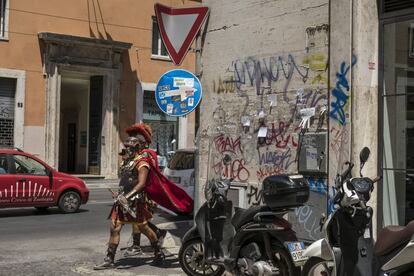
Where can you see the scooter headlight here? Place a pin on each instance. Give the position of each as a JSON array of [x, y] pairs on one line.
[[363, 187]]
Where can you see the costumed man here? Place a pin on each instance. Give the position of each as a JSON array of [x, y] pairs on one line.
[[132, 205], [135, 249]]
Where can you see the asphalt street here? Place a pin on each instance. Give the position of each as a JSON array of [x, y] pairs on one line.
[[36, 242]]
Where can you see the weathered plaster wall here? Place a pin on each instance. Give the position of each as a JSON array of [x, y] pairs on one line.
[[353, 91], [257, 54], [365, 96]]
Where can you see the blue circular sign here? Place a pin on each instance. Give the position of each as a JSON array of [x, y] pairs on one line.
[[178, 92]]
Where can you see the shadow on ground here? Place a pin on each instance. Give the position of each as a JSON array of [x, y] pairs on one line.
[[29, 211], [171, 261]]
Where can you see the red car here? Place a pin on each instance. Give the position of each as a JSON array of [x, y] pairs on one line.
[[27, 181]]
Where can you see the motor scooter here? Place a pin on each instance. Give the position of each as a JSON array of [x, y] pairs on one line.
[[348, 247], [254, 241]]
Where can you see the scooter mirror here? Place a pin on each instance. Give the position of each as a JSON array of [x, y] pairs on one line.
[[364, 155]]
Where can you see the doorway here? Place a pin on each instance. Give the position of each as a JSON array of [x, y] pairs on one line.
[[80, 124], [71, 147]]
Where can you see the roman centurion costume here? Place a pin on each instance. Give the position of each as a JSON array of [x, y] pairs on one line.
[[140, 207], [141, 184]]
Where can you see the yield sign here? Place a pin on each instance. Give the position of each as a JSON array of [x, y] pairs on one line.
[[178, 28]]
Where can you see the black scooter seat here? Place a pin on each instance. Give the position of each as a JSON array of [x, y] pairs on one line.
[[243, 216], [392, 237]]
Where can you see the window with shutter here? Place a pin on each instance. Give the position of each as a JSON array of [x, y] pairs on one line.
[[7, 102], [3, 18], [158, 47]]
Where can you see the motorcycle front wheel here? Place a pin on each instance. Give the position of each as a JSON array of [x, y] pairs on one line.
[[315, 266], [191, 256]]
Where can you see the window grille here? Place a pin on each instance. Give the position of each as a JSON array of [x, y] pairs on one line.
[[7, 99]]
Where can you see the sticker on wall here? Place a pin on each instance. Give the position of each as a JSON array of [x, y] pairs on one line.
[[262, 132], [272, 99], [245, 121], [178, 92]]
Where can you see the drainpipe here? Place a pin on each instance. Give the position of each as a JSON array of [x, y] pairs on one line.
[[198, 72], [351, 83]]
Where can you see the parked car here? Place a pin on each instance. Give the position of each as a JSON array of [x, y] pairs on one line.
[[180, 170], [162, 162], [27, 181]]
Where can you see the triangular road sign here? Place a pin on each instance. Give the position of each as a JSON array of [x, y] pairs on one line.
[[178, 28]]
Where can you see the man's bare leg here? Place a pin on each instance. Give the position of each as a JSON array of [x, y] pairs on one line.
[[115, 231], [135, 248], [152, 236]]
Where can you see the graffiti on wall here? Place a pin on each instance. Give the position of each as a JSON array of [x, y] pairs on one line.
[[254, 195], [279, 86], [275, 162], [225, 85], [258, 72], [339, 105], [228, 158], [338, 115], [306, 219]]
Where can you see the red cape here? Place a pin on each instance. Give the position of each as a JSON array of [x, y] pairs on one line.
[[165, 192]]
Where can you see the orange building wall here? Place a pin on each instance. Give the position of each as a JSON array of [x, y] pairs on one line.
[[121, 20]]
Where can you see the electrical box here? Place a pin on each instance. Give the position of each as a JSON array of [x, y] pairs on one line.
[[313, 153]]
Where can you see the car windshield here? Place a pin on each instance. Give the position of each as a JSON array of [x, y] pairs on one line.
[[182, 161]]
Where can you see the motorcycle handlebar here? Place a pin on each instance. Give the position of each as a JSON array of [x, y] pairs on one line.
[[376, 179]]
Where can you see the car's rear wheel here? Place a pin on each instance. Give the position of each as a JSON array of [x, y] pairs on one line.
[[69, 202]]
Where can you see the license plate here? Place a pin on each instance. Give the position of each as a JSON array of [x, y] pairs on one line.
[[296, 250]]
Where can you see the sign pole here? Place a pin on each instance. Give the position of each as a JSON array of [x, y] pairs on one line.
[[198, 72], [198, 69]]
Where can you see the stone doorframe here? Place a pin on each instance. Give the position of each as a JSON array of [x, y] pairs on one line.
[[110, 116], [92, 57]]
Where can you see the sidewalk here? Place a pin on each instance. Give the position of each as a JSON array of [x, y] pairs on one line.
[[176, 231]]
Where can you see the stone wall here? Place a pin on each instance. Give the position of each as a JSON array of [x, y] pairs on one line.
[[263, 62]]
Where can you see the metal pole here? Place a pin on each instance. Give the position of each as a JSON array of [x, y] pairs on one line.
[[197, 138], [198, 71]]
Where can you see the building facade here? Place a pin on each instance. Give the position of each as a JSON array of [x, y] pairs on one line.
[[75, 74], [303, 86]]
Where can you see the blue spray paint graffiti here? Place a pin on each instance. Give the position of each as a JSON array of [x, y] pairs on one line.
[[319, 186], [307, 217], [338, 112]]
